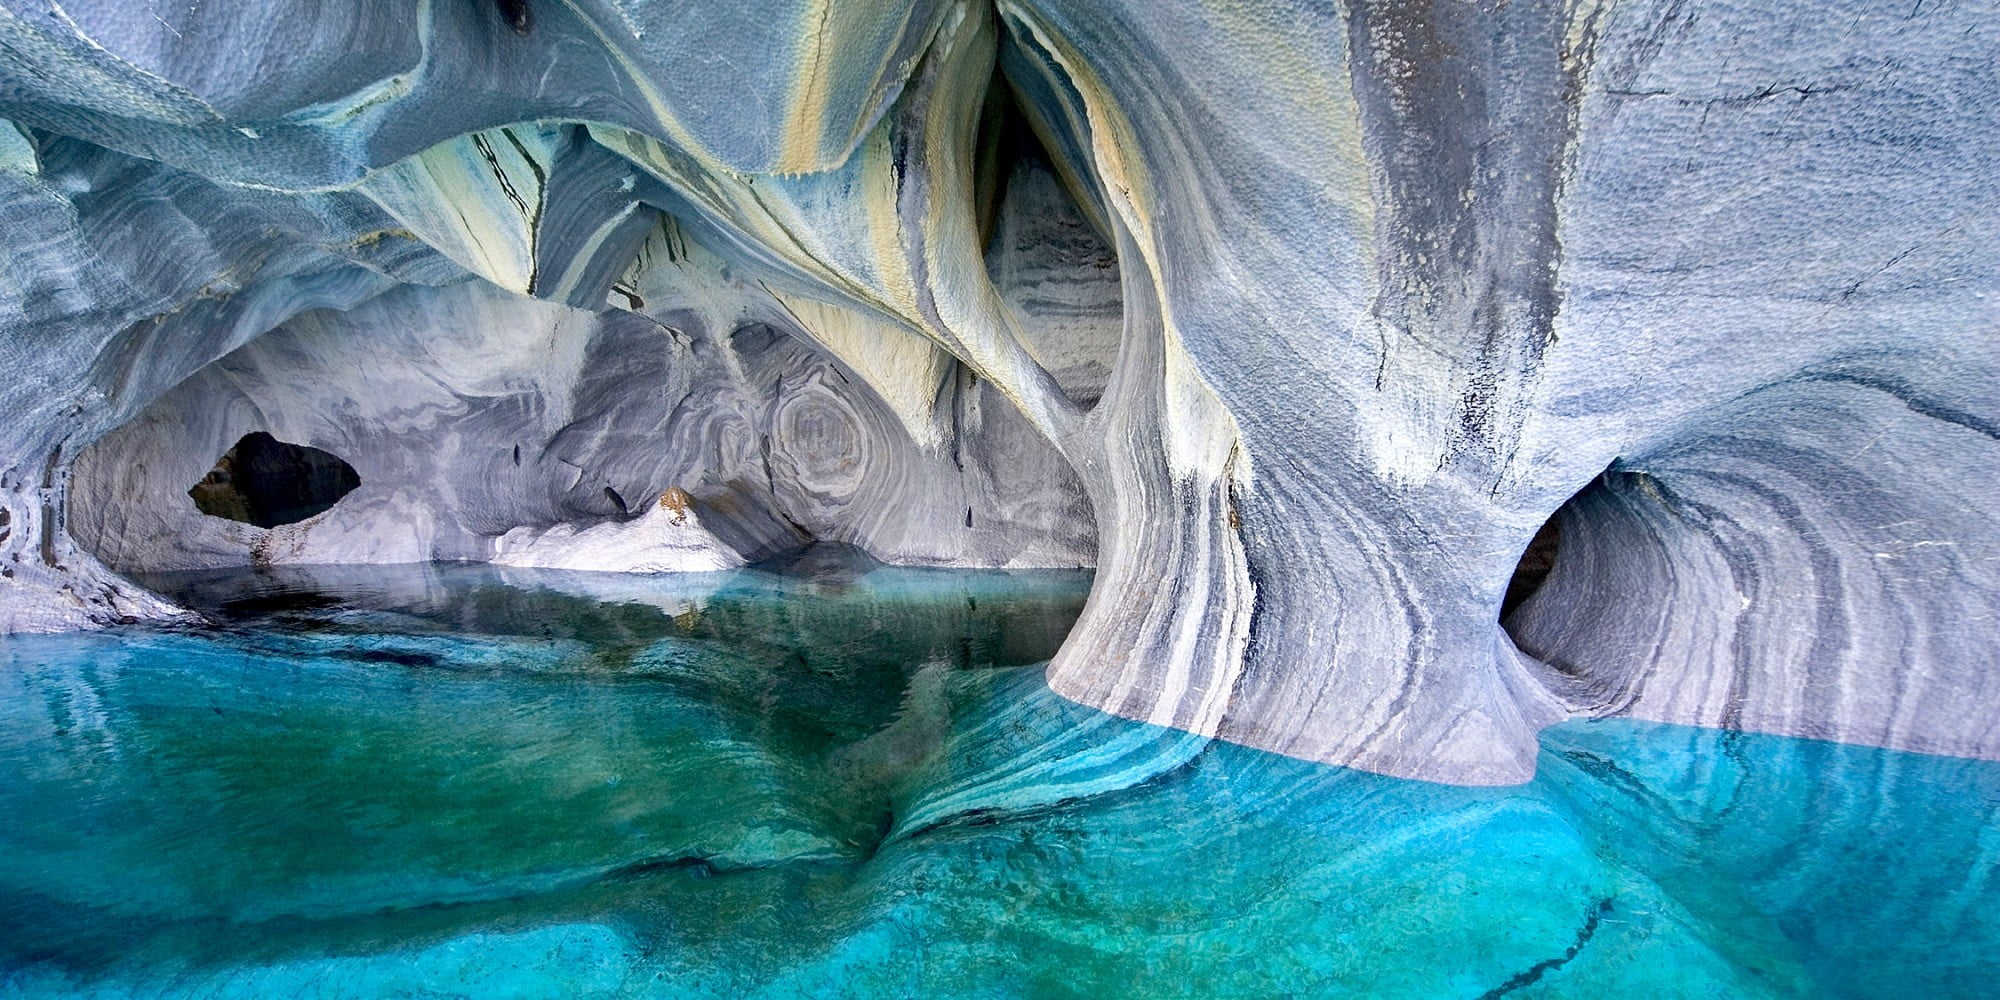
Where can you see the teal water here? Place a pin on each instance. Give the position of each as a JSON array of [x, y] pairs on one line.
[[845, 781]]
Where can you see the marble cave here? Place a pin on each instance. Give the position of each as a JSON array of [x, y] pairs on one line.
[[999, 498]]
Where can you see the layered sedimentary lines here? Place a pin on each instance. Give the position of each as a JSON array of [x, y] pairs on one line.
[[518, 431], [1298, 321], [1741, 578]]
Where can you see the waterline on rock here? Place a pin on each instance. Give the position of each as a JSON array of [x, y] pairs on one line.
[[852, 781]]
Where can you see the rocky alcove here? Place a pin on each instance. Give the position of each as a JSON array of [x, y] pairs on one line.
[[1298, 325], [267, 482]]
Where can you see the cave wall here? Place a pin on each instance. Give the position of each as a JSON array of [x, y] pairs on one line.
[[1497, 249], [1303, 317], [122, 277], [498, 413], [1778, 332]]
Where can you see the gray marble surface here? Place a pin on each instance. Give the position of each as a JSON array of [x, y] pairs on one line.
[[1297, 320]]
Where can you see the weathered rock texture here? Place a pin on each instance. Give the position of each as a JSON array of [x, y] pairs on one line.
[[506, 429], [1298, 319]]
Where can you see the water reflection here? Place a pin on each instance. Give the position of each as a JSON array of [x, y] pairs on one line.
[[847, 780]]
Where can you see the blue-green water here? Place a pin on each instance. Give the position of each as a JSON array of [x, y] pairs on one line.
[[851, 782]]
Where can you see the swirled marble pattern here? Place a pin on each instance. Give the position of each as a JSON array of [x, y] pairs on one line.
[[515, 429], [851, 782], [1394, 282]]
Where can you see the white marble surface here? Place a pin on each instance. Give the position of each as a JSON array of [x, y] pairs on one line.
[[1394, 281]]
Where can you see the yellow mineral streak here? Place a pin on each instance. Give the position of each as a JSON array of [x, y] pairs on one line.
[[677, 502], [476, 198], [816, 224], [811, 92], [905, 369], [809, 140], [663, 114]]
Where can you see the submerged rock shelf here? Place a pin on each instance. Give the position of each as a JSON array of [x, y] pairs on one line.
[[852, 782], [999, 497]]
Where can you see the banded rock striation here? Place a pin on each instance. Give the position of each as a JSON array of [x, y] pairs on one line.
[[1297, 320]]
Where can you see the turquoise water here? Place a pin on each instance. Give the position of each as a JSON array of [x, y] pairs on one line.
[[846, 781]]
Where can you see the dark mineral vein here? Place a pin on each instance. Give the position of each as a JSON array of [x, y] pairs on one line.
[[1534, 973]]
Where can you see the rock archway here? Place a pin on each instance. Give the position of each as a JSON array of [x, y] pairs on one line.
[[1394, 282]]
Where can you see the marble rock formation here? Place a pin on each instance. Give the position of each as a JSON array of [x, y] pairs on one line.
[[1297, 320], [667, 537]]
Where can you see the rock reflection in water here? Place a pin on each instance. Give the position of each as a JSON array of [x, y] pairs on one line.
[[848, 780]]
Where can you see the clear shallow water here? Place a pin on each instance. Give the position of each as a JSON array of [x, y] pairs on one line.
[[851, 782]]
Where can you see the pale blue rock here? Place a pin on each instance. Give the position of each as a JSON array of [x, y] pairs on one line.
[[1296, 320]]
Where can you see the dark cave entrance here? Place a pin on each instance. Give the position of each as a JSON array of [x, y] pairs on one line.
[[268, 482], [1561, 563], [1576, 519], [1047, 243], [1535, 565]]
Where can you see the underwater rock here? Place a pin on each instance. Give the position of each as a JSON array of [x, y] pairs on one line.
[[1298, 321]]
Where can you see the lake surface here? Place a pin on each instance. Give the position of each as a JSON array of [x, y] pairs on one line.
[[849, 781]]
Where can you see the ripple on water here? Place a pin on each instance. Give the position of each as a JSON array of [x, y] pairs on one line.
[[433, 781]]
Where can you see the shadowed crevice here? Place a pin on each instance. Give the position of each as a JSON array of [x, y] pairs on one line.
[[1533, 569], [268, 482]]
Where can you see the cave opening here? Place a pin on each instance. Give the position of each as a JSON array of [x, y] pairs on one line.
[[1573, 529], [1533, 569], [1005, 140], [1049, 252], [268, 482]]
